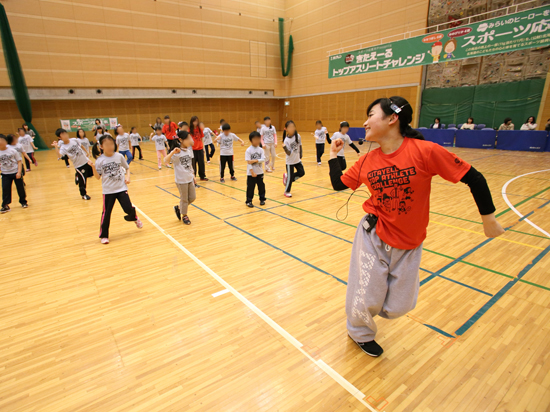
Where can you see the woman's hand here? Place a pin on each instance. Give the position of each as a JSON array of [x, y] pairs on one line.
[[490, 226], [335, 147]]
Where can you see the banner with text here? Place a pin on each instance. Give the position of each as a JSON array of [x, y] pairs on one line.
[[523, 30], [72, 125]]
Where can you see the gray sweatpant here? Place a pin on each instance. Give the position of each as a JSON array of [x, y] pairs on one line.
[[382, 281], [187, 196]]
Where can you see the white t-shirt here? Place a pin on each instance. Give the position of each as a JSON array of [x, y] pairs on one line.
[[8, 161], [436, 126], [112, 171], [470, 126], [345, 138], [528, 126], [74, 151], [320, 135], [18, 148], [183, 165], [26, 142], [159, 141], [207, 139], [134, 139], [259, 130], [226, 144], [293, 145], [97, 136], [255, 153], [84, 143], [268, 134], [123, 142]]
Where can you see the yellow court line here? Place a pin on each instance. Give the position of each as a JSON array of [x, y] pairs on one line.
[[483, 234]]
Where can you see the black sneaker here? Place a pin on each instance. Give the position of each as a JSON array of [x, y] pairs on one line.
[[249, 204], [86, 197], [262, 202], [233, 178], [222, 180], [177, 210], [186, 220], [371, 348], [5, 209]]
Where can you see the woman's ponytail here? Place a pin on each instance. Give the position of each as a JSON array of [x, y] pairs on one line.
[[411, 133], [96, 150]]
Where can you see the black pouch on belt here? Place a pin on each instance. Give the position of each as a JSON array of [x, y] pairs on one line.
[[370, 222]]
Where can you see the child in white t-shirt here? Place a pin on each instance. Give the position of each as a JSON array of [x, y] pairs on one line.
[[255, 157], [160, 144], [226, 139], [135, 138]]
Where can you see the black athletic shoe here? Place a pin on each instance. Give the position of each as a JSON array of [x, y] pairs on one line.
[[249, 204], [222, 180], [186, 220], [177, 210], [204, 179], [371, 348], [262, 202], [233, 178], [86, 197], [5, 209]]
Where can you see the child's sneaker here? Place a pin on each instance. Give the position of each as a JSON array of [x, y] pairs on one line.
[[285, 178], [5, 209], [186, 220], [204, 179], [68, 166], [139, 223], [371, 348], [177, 210], [86, 197], [288, 194], [319, 163], [105, 240], [208, 161], [222, 180], [35, 162], [160, 167], [28, 170], [249, 204], [26, 205], [262, 202], [233, 178]]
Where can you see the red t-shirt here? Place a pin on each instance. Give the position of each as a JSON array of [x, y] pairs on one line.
[[197, 139], [400, 185], [170, 130]]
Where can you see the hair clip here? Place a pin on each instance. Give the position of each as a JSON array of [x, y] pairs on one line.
[[396, 109]]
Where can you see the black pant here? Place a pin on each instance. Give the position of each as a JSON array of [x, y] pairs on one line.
[[229, 161], [108, 203], [65, 157], [31, 156], [210, 149], [134, 152], [251, 183], [293, 174], [7, 179], [198, 160], [320, 151], [81, 176], [342, 161]]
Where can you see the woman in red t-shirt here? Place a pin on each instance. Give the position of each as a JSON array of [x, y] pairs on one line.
[[385, 260], [198, 147]]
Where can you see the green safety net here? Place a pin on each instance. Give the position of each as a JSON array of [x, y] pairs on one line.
[[286, 71], [17, 79], [488, 104]]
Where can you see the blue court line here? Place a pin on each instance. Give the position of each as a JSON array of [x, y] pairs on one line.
[[470, 322], [454, 262], [526, 216], [442, 332], [540, 207], [459, 283]]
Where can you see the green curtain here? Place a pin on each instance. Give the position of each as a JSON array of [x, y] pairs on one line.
[[488, 104], [282, 48], [450, 105], [17, 79]]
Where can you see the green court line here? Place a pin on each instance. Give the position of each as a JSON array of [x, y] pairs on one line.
[[522, 202], [427, 250]]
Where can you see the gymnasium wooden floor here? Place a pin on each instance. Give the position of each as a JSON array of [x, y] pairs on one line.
[[137, 325]]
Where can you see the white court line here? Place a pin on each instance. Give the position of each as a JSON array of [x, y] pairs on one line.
[[348, 386], [512, 206], [221, 292]]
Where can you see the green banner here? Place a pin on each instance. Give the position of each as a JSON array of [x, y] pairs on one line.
[[524, 30], [72, 125]]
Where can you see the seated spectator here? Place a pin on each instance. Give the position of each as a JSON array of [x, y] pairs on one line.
[[547, 127], [507, 125], [530, 124], [436, 124], [469, 124]]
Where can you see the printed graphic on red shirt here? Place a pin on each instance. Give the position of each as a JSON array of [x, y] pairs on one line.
[[392, 188]]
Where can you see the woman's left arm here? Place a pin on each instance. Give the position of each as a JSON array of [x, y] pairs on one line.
[[484, 201]]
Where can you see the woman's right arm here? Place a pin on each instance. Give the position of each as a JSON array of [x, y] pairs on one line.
[[334, 165]]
